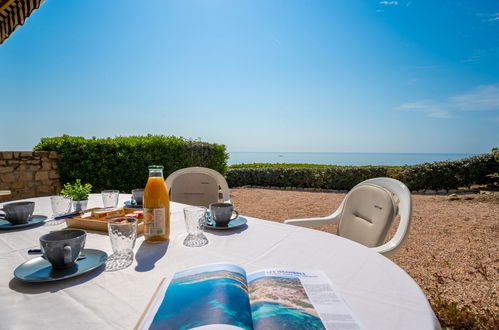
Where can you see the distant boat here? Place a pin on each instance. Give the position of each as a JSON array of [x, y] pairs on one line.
[[280, 155]]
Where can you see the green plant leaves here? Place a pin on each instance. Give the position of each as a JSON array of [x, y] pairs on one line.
[[77, 190]]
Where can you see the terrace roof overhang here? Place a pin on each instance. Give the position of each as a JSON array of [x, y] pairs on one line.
[[13, 13]]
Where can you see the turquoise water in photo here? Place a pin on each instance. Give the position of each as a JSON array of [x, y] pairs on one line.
[[197, 302], [340, 158], [268, 315]]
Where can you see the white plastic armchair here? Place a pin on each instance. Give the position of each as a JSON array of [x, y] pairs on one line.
[[198, 186], [403, 208]]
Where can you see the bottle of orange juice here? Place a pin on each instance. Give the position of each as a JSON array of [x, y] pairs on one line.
[[156, 207]]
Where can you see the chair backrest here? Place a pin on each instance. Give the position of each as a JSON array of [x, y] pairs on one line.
[[404, 211], [198, 186], [367, 212], [367, 215]]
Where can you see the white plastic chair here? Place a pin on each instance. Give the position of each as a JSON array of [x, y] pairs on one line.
[[198, 186], [403, 209]]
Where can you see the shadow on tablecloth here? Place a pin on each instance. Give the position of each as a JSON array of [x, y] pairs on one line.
[[148, 254]]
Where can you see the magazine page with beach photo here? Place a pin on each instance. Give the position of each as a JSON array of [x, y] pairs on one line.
[[223, 296], [285, 299]]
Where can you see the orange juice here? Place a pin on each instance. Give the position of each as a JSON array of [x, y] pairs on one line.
[[156, 207]]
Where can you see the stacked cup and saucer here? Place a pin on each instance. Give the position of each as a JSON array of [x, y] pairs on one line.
[[63, 257], [222, 216], [137, 198], [19, 215]]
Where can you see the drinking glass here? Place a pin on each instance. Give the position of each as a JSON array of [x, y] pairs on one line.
[[110, 198], [60, 205], [195, 218], [122, 233]]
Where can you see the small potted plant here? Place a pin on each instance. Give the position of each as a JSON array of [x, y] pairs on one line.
[[79, 192]]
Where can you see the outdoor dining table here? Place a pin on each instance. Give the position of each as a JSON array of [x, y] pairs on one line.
[[379, 293]]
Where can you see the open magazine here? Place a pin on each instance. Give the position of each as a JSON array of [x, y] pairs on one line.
[[224, 296]]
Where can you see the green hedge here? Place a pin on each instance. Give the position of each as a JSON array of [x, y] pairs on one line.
[[438, 175], [449, 174], [121, 162], [341, 178]]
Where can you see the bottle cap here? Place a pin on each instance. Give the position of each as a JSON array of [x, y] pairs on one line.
[[156, 167]]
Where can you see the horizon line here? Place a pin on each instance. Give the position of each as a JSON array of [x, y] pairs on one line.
[[362, 152]]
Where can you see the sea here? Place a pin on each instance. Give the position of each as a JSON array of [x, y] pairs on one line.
[[201, 302], [341, 158]]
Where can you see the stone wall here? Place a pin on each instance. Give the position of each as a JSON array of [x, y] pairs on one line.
[[28, 174]]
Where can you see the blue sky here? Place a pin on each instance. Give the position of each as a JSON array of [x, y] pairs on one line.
[[342, 76]]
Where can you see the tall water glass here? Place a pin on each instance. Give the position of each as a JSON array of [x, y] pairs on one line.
[[122, 233], [195, 218], [60, 205], [110, 198]]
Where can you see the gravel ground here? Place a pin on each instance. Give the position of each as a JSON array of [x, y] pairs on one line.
[[451, 251]]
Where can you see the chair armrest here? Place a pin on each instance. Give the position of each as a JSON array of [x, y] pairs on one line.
[[387, 249], [390, 247], [333, 218], [310, 221]]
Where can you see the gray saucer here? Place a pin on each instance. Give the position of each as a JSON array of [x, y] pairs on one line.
[[237, 222], [129, 205], [33, 220], [40, 270]]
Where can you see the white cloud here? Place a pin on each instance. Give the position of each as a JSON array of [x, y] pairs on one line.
[[429, 107], [389, 3], [489, 17], [472, 59], [493, 17], [480, 98]]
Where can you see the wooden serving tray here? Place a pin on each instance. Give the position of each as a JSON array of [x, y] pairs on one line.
[[94, 224]]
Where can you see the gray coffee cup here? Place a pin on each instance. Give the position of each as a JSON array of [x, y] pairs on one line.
[[18, 213], [61, 248], [222, 213], [138, 196]]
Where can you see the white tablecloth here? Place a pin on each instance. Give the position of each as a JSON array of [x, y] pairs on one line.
[[380, 294]]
